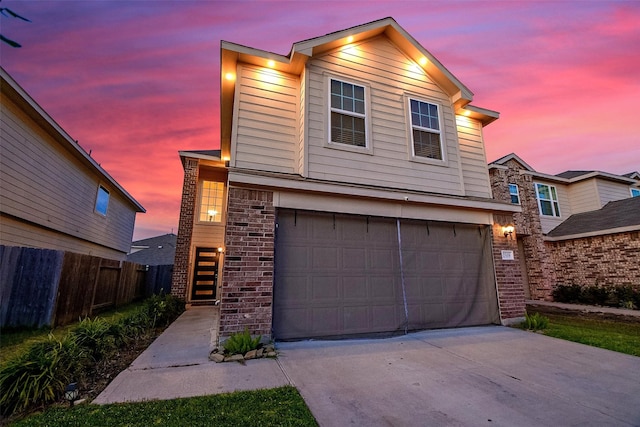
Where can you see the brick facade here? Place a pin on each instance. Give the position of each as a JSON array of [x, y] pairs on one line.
[[179, 283], [541, 271], [509, 282], [246, 297], [609, 260]]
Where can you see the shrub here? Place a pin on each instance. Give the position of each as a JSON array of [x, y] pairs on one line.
[[40, 375], [163, 309], [596, 295], [535, 322], [241, 342], [567, 293], [96, 336]]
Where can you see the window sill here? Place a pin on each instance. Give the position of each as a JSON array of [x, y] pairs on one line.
[[428, 161], [350, 148]]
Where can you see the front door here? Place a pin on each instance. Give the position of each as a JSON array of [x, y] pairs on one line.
[[205, 274]]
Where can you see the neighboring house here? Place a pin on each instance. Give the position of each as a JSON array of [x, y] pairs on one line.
[[53, 195], [350, 195], [158, 250], [576, 227]]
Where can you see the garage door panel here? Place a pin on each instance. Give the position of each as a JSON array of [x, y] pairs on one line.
[[339, 275], [355, 287]]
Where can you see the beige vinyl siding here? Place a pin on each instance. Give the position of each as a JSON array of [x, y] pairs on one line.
[[267, 120], [208, 235], [17, 233], [43, 183], [475, 173], [584, 196], [548, 223], [382, 69], [612, 191]]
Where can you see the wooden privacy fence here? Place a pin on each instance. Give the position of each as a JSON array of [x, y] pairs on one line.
[[47, 287]]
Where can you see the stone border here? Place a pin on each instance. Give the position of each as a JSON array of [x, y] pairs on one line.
[[268, 351]]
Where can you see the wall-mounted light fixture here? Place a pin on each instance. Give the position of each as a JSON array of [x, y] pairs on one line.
[[220, 249], [508, 230]]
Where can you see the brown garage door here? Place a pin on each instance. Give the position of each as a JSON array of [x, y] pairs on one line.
[[343, 275]]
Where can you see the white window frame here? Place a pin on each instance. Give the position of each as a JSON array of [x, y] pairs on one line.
[[100, 199], [368, 148], [439, 132], [635, 192], [516, 194], [219, 214], [555, 204]]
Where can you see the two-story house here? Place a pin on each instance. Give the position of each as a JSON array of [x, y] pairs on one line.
[[576, 227], [350, 195], [53, 194]]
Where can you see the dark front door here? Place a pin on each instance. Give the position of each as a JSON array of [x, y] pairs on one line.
[[205, 274]]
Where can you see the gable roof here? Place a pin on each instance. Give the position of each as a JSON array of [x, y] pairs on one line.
[[17, 94], [159, 250], [616, 216], [512, 156], [294, 62], [632, 175]]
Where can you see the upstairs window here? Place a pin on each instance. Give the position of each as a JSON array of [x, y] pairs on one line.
[[102, 201], [348, 114], [635, 192], [514, 193], [425, 130], [211, 199], [547, 200]]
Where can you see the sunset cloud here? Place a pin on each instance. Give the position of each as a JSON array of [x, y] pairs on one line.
[[135, 82]]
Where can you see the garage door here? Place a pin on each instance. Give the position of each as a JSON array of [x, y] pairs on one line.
[[344, 275]]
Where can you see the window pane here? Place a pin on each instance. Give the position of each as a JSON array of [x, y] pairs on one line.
[[513, 192], [102, 201], [211, 199], [359, 107], [543, 191], [347, 90], [426, 144], [359, 93], [336, 101], [424, 115], [348, 130], [545, 207], [336, 87]]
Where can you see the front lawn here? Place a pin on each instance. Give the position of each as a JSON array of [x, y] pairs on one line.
[[281, 406], [616, 335]]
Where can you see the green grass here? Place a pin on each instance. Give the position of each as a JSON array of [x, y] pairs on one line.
[[623, 337], [281, 406], [14, 342]]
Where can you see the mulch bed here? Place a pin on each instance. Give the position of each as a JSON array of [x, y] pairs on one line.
[[617, 317]]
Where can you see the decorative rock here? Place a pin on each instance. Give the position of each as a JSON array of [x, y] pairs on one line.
[[259, 352], [216, 357], [269, 348], [234, 358], [250, 354], [271, 354]]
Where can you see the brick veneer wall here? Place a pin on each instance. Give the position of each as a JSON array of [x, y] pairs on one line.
[[246, 296], [610, 260], [541, 271], [509, 282], [180, 277]]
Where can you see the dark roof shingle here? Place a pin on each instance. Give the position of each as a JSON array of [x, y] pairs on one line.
[[617, 214]]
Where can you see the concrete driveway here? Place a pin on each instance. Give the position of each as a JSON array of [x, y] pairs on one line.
[[493, 376]]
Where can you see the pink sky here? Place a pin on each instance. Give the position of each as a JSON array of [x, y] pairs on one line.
[[137, 81]]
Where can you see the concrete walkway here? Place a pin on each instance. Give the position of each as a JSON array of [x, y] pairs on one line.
[[177, 364], [489, 375]]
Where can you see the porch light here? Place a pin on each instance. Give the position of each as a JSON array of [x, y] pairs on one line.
[[508, 230], [423, 61], [71, 393], [229, 76], [220, 249], [350, 39], [271, 63]]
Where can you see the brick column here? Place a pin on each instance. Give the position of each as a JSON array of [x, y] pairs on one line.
[[179, 282], [508, 273], [246, 298], [538, 257]]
